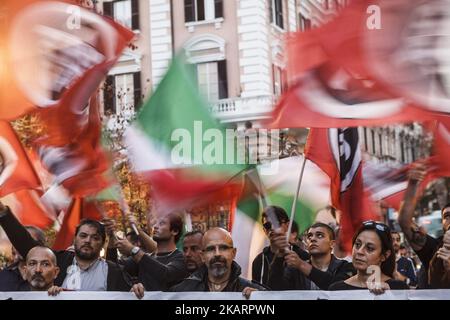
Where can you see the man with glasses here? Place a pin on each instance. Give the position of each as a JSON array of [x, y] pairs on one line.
[[261, 264], [289, 272], [220, 273]]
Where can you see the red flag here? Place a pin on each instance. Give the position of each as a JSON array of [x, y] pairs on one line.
[[69, 47], [80, 167], [398, 47], [441, 148], [16, 170], [337, 153], [388, 184], [78, 210], [330, 97], [28, 208]]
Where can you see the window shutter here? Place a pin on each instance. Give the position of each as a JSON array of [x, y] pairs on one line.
[[193, 70], [274, 80], [279, 13], [218, 9], [271, 13], [223, 81], [108, 9], [137, 90], [189, 11], [135, 15], [109, 95], [284, 81], [200, 10]]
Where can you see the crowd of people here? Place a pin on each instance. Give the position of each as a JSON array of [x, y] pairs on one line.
[[151, 261]]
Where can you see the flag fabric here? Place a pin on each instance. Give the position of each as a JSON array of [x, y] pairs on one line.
[[178, 147], [29, 209], [78, 210], [16, 170], [80, 167], [387, 183], [275, 183], [329, 98], [337, 152], [352, 72], [71, 48], [441, 148]]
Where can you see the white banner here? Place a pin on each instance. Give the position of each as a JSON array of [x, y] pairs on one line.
[[257, 295]]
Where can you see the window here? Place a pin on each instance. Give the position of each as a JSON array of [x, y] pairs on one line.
[[276, 12], [279, 80], [125, 12], [212, 80], [305, 24], [202, 10], [122, 92]]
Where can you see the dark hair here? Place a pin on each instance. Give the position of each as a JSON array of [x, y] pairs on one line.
[[93, 223], [41, 238], [176, 224], [325, 226], [193, 233], [294, 227], [384, 234], [279, 212], [445, 207]]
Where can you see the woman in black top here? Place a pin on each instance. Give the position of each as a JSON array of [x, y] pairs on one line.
[[374, 260]]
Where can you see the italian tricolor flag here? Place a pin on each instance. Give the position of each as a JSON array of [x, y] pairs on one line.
[[275, 184], [178, 147]]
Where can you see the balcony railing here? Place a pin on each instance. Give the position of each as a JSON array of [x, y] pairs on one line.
[[242, 109]]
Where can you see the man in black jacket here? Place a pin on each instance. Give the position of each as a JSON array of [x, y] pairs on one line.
[[80, 270], [220, 273], [163, 268], [289, 272], [12, 278], [263, 261]]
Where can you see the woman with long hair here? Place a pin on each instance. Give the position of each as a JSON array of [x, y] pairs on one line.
[[374, 260]]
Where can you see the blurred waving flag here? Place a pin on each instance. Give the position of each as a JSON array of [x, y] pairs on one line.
[[69, 47], [377, 62], [16, 170], [178, 147], [29, 209]]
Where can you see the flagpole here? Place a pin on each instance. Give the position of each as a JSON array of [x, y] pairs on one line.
[[125, 209], [294, 204]]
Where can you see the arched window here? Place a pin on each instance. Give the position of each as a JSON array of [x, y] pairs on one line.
[[207, 53]]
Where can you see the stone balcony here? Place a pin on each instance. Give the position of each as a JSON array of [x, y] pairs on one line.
[[243, 109]]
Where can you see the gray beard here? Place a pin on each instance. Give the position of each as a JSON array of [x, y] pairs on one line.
[[218, 272]]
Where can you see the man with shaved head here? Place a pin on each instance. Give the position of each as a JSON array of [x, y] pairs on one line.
[[41, 268], [220, 273]]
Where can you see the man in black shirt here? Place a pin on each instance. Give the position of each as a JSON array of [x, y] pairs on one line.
[[12, 278], [423, 244], [289, 272], [263, 261], [163, 268]]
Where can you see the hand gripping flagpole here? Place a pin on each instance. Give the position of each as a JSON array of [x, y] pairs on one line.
[[294, 204], [126, 210]]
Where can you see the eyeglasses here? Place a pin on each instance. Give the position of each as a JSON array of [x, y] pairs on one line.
[[220, 247], [268, 225], [378, 225]]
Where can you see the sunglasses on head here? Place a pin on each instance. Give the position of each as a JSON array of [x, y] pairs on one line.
[[378, 225]]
